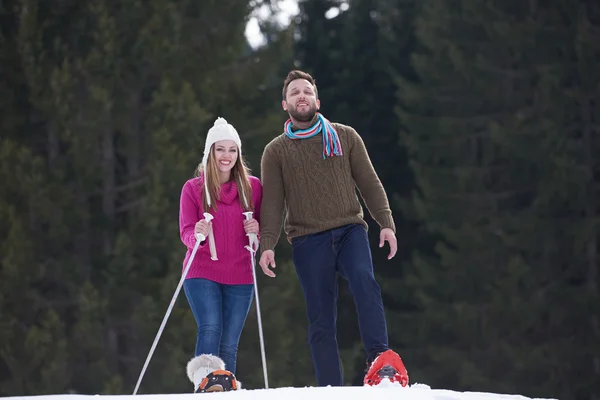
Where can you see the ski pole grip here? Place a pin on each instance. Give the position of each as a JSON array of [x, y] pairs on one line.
[[200, 237], [211, 238], [252, 236]]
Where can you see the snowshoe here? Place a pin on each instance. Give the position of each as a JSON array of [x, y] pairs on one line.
[[208, 374], [217, 381], [388, 365]]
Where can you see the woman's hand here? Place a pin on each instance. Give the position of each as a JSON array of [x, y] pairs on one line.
[[251, 226], [202, 227]]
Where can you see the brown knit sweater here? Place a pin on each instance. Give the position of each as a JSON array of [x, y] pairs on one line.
[[318, 194]]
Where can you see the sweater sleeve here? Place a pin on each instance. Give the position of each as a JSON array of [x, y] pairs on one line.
[[271, 210], [189, 211], [368, 183], [257, 194], [257, 201]]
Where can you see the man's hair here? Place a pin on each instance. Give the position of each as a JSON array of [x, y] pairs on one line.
[[297, 74]]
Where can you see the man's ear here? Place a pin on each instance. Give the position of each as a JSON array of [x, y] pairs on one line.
[[284, 104], [318, 104]]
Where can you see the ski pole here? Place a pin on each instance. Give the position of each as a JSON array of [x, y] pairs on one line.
[[254, 241], [199, 238]]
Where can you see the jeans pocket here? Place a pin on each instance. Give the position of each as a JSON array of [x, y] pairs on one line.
[[299, 240]]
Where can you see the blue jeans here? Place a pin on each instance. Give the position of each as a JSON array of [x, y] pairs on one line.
[[220, 312], [317, 258]]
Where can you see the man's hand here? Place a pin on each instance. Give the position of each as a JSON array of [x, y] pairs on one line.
[[386, 235], [266, 258]]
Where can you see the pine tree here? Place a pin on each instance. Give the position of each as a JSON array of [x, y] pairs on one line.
[[110, 126], [493, 138], [319, 48]]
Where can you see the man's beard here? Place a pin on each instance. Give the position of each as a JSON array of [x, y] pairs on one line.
[[303, 116]]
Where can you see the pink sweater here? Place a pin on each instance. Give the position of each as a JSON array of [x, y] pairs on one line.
[[234, 264]]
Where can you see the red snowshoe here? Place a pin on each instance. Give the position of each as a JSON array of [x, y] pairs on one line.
[[217, 381], [388, 365]]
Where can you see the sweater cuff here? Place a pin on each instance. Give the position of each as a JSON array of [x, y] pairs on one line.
[[386, 221], [267, 243], [201, 245]]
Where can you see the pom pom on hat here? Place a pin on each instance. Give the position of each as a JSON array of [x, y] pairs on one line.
[[220, 121]]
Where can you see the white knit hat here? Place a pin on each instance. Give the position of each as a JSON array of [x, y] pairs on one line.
[[221, 130]]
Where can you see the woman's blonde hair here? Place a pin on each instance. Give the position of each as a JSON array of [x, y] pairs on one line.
[[240, 174]]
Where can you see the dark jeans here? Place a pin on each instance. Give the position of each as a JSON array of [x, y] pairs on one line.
[[220, 312], [317, 257]]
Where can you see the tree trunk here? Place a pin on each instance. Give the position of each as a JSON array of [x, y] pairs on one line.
[[590, 131], [108, 186], [133, 135]]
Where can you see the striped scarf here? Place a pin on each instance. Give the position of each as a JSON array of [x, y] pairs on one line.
[[331, 141]]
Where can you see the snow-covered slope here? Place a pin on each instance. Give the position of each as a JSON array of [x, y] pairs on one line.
[[415, 392]]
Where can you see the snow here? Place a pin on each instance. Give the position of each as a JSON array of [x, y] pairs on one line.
[[382, 392]]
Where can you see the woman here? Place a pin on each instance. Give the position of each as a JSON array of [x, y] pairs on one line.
[[219, 289]]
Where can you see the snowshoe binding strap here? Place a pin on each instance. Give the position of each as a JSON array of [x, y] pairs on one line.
[[218, 381]]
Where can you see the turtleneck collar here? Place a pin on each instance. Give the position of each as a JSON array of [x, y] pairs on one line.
[[229, 191]]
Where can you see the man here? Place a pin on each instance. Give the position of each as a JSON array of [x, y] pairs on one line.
[[312, 171]]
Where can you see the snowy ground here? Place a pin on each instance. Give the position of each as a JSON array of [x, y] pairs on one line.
[[416, 392]]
